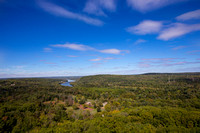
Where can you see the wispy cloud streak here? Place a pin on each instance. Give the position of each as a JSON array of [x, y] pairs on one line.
[[112, 51], [102, 59], [152, 62], [139, 41], [146, 27], [148, 5], [179, 47], [73, 46], [60, 11], [47, 50], [177, 30], [81, 47], [165, 32], [189, 15], [97, 7], [73, 56]]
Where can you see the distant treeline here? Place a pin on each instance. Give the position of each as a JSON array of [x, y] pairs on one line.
[[189, 73]]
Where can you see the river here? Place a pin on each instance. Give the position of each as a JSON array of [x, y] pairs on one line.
[[68, 83]]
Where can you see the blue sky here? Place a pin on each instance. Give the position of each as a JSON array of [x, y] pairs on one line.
[[86, 37]]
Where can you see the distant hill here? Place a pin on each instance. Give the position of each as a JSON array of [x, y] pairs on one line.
[[148, 79], [186, 73]]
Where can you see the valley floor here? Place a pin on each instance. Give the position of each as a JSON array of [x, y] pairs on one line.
[[102, 103]]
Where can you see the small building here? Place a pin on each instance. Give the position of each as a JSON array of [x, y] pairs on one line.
[[88, 103], [12, 85], [104, 104]]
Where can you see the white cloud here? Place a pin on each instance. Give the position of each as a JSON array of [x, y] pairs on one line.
[[60, 11], [148, 5], [79, 47], [50, 63], [47, 50], [146, 27], [109, 58], [166, 32], [189, 15], [108, 4], [72, 56], [177, 29], [139, 41], [179, 47], [111, 51], [103, 59], [97, 59], [97, 6]]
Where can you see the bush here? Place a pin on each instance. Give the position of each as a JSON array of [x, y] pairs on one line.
[[75, 107]]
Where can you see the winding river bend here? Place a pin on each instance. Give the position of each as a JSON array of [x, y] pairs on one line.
[[68, 83]]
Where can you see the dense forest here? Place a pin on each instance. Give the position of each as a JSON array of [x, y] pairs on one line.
[[102, 103]]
